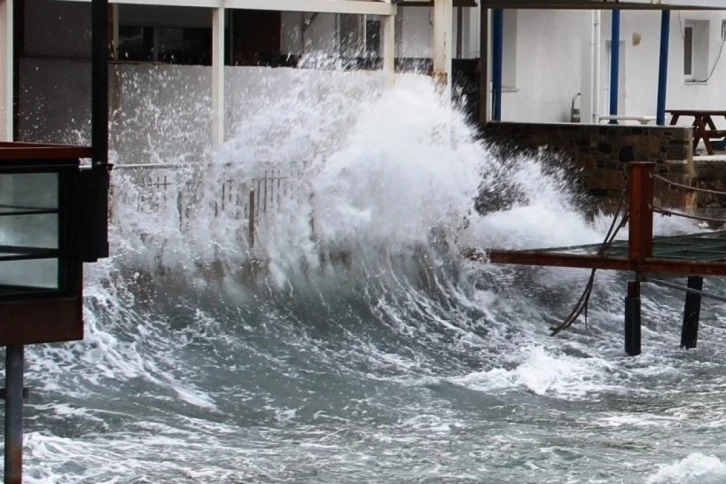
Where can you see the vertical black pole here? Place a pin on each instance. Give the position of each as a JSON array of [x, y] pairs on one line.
[[497, 62], [632, 319], [14, 414], [614, 64], [483, 63], [665, 28], [99, 129], [691, 313]]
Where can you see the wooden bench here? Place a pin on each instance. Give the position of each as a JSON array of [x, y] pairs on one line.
[[703, 126]]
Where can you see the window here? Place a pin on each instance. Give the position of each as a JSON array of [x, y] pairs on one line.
[[696, 50], [373, 38], [175, 35], [688, 52], [359, 36], [174, 45], [509, 47], [351, 31]]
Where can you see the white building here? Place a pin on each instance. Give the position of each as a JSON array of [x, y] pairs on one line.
[[549, 55]]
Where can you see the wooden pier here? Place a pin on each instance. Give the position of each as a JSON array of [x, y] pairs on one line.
[[693, 255]]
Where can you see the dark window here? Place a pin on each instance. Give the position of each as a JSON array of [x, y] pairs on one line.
[[173, 45], [373, 38], [688, 51]]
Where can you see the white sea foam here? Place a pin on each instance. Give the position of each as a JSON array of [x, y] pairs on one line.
[[697, 468]]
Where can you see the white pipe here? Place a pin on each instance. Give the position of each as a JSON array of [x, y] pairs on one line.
[[217, 76], [596, 27], [389, 49], [6, 70], [443, 20]]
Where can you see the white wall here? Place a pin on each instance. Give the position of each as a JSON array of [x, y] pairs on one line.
[[548, 65], [642, 64], [553, 64]]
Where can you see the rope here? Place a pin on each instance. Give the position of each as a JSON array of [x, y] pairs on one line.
[[668, 213], [686, 289], [673, 184], [584, 301]]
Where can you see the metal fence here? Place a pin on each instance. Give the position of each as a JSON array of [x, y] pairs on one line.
[[254, 203]]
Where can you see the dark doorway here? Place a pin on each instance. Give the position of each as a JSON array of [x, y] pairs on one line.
[[256, 37]]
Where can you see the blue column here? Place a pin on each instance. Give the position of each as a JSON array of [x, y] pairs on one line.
[[665, 28], [614, 64], [497, 59]]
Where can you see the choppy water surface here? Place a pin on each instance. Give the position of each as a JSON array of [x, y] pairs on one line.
[[405, 364]]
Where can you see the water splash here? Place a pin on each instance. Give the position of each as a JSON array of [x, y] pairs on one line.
[[361, 345]]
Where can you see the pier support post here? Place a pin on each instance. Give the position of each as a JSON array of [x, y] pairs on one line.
[[632, 319], [691, 313], [640, 246], [14, 414]]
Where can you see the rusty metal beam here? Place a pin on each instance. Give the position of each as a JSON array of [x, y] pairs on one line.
[[553, 259], [586, 261], [640, 238]]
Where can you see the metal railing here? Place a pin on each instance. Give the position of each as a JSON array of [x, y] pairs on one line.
[[254, 203]]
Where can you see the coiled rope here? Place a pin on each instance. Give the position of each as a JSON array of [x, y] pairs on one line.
[[584, 301]]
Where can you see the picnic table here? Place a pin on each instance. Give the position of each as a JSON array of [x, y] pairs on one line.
[[703, 126]]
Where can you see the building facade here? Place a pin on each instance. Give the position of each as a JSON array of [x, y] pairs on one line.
[[550, 56]]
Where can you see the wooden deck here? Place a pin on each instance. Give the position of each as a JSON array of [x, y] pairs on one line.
[[695, 255], [692, 254]]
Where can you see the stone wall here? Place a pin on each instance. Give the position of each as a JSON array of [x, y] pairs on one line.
[[710, 174], [601, 153]]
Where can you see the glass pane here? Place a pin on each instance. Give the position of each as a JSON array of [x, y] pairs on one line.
[[135, 43], [185, 45], [39, 274], [28, 191], [28, 231], [28, 210], [688, 51]]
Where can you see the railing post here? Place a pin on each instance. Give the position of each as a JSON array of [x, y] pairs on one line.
[[640, 238], [252, 219], [14, 414]]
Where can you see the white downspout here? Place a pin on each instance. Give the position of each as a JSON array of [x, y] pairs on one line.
[[596, 41]]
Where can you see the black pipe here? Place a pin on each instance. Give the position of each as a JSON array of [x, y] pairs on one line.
[[99, 81], [632, 319], [691, 313], [98, 180]]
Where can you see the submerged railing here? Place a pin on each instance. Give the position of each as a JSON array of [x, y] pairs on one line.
[[151, 188]]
